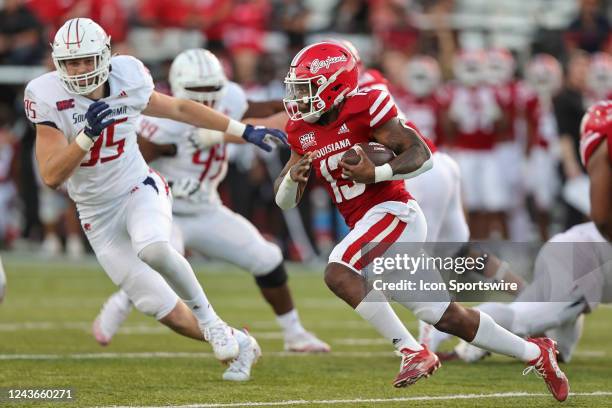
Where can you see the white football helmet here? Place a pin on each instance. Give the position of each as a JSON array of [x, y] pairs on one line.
[[422, 75], [469, 67], [500, 66], [198, 68], [544, 75], [599, 77], [82, 38]]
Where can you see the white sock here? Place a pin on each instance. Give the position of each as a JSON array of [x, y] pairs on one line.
[[431, 336], [177, 271], [491, 336], [501, 313], [290, 323], [382, 317]]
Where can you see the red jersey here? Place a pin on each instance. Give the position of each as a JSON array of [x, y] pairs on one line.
[[360, 115], [373, 79], [508, 97], [475, 125], [541, 117], [425, 113]]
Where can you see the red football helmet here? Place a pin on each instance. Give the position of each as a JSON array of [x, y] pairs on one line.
[[500, 66], [599, 77], [320, 76], [469, 67], [544, 75], [422, 75], [596, 122]]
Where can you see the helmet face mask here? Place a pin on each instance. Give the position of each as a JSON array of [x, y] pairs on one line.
[[81, 40], [544, 75], [197, 75], [320, 77]]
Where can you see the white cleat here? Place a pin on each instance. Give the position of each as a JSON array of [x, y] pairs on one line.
[[222, 340], [112, 315], [306, 342], [240, 368], [468, 353]]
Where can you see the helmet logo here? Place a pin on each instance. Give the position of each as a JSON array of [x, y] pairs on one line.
[[317, 64]]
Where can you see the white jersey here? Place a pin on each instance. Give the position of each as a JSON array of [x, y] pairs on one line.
[[209, 166], [114, 165]]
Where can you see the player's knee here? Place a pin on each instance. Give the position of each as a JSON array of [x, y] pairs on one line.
[[265, 259], [156, 255], [273, 279], [156, 306]]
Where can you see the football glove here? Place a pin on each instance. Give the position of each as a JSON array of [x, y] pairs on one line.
[[95, 115], [265, 138], [203, 139]]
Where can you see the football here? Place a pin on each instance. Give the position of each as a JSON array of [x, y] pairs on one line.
[[378, 153]]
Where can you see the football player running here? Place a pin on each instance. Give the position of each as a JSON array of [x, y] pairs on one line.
[[322, 102], [195, 165], [85, 115]]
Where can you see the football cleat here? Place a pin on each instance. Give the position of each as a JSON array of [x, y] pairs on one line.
[[112, 315], [546, 366], [240, 368], [468, 353], [222, 340], [306, 342], [416, 365]]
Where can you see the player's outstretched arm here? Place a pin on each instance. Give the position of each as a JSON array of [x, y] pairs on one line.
[[206, 138], [196, 114], [600, 174], [291, 182]]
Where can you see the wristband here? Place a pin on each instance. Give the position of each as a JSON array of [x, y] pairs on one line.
[[84, 141], [286, 196], [383, 173], [235, 128]]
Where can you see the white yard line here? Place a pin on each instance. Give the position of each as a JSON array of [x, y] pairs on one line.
[[372, 400]]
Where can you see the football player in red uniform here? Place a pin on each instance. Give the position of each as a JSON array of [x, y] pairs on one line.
[[596, 156], [328, 115]]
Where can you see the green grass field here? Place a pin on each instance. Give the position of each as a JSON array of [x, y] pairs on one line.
[[45, 342]]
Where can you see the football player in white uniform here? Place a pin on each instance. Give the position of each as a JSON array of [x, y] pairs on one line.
[[85, 115], [195, 161]]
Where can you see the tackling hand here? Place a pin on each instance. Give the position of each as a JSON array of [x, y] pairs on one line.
[[265, 138]]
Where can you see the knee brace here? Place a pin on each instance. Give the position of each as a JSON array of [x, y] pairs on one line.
[[274, 279]]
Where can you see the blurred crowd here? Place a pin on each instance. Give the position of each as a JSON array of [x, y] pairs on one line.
[[499, 85]]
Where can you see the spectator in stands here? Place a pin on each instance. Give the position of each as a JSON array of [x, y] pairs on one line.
[[293, 18], [53, 13], [351, 16], [20, 35], [569, 107], [391, 23], [590, 31], [207, 16], [244, 36]]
